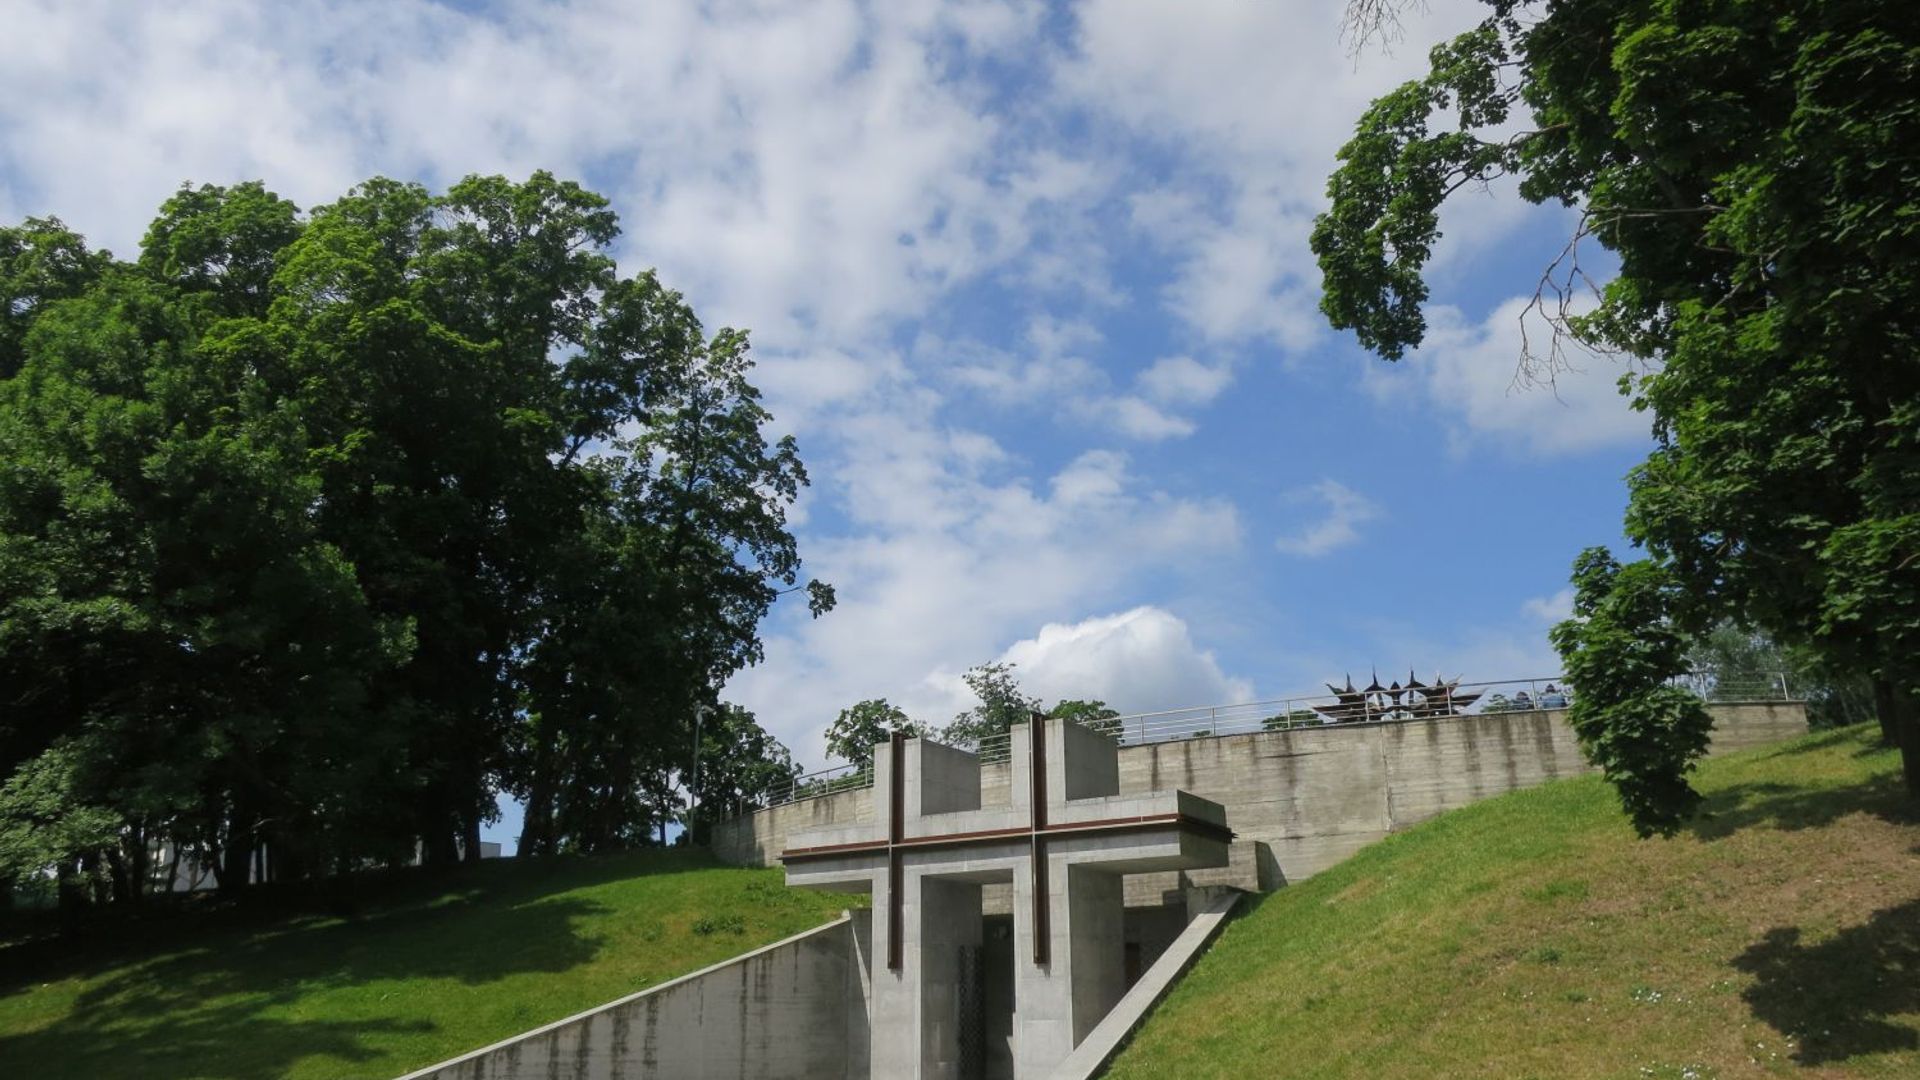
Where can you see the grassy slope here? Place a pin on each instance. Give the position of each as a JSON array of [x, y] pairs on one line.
[[1533, 935], [435, 968]]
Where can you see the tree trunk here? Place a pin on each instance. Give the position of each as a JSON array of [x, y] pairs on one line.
[[130, 865], [1906, 722], [536, 827], [235, 868], [71, 889], [536, 823], [470, 836], [120, 875], [1883, 710], [96, 881]]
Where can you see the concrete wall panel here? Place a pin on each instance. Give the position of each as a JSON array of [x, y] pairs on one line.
[[785, 1011], [1311, 796]]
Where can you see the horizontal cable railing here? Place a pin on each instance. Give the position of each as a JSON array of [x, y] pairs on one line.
[[1372, 705]]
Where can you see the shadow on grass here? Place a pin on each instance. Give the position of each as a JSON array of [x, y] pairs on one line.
[[1838, 998], [220, 994], [229, 1040], [1788, 807], [1830, 738]]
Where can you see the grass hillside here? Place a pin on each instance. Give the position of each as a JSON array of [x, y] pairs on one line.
[[430, 969], [1534, 935]]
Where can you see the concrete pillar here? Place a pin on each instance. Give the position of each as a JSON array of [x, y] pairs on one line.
[[1056, 1005], [1096, 946], [938, 916], [950, 917]]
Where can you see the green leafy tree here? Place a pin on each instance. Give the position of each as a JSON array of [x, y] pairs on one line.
[[1292, 718], [1751, 168], [172, 624], [41, 261], [1621, 649], [1002, 705], [319, 531], [866, 724], [1089, 714], [740, 765]]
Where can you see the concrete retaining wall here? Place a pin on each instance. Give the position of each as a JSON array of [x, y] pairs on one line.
[[1304, 799], [793, 1009]]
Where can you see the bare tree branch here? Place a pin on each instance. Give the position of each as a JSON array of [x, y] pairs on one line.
[[1375, 22]]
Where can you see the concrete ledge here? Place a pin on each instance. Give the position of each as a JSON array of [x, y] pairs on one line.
[[1104, 1040], [776, 988]]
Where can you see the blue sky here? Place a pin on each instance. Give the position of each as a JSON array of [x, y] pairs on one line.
[[1029, 282]]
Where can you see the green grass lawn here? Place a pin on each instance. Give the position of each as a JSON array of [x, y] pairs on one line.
[[429, 969], [1534, 936]]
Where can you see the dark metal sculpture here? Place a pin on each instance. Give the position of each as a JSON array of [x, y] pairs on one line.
[[1414, 701]]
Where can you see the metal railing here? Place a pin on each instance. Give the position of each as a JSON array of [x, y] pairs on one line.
[[828, 781], [1391, 704]]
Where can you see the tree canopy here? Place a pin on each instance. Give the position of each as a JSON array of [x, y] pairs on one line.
[[1002, 704], [320, 530], [1753, 168], [866, 724]]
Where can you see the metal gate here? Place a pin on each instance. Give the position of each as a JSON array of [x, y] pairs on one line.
[[971, 991]]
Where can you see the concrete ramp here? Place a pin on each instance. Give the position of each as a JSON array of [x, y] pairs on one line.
[[1104, 1040]]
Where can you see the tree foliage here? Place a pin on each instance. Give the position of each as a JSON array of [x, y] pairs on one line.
[[1002, 704], [1753, 168], [318, 531], [1093, 714], [866, 724], [1621, 649], [740, 765]]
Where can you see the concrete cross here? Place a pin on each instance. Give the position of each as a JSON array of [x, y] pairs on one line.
[[1062, 835]]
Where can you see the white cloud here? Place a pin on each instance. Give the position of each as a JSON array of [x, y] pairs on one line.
[[1470, 372], [1137, 661], [1254, 100], [944, 565], [1182, 380], [1136, 418], [806, 169], [1346, 511], [1551, 609], [1059, 381]]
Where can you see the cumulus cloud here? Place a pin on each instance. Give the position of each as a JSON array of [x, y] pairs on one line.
[[1057, 378], [1469, 371], [1136, 661], [1182, 380], [942, 567], [1256, 99], [806, 190], [1346, 511]]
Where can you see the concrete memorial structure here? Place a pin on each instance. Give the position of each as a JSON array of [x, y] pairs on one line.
[[942, 1002], [1017, 896]]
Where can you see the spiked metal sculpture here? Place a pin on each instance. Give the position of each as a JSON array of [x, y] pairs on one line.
[[1413, 701]]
